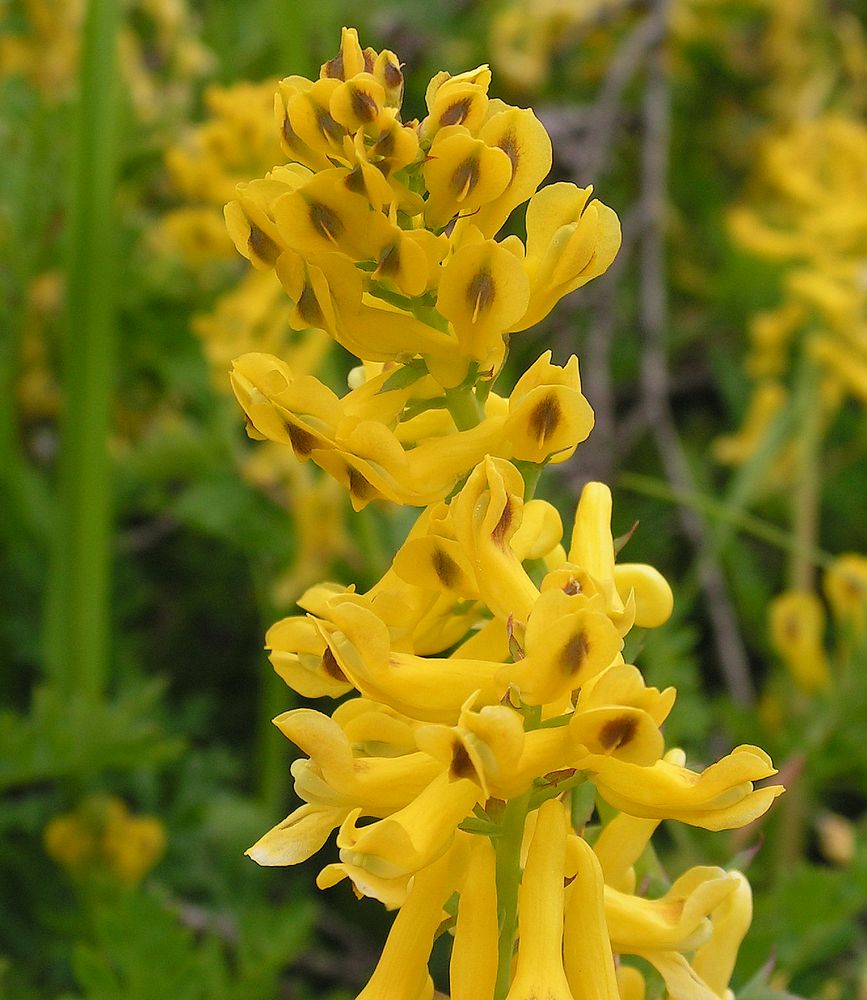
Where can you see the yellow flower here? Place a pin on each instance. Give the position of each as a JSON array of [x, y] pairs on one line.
[[845, 586], [797, 633], [482, 291], [569, 242], [401, 973], [462, 174], [410, 839], [430, 689], [634, 592], [714, 961], [548, 414], [721, 797], [539, 970], [586, 942], [102, 835], [567, 641], [473, 967]]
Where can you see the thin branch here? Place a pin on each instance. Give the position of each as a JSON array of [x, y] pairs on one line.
[[656, 113]]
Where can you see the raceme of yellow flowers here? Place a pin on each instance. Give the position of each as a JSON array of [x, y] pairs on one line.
[[494, 769], [102, 837], [812, 218]]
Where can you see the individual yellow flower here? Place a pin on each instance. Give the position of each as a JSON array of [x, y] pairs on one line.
[[797, 633], [539, 970], [587, 950], [473, 966], [845, 585], [570, 240]]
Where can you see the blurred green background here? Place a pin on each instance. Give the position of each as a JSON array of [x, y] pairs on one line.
[[147, 544]]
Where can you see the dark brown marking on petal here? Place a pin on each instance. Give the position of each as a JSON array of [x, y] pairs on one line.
[[309, 309], [545, 417], [571, 587], [455, 113], [333, 69], [498, 535], [358, 486], [384, 145], [509, 145], [792, 627], [331, 667], [326, 222], [289, 135], [329, 128], [369, 59], [465, 177], [354, 180], [616, 733], [303, 442], [481, 292], [364, 106], [461, 765], [261, 245], [446, 569], [393, 75], [389, 260], [574, 653]]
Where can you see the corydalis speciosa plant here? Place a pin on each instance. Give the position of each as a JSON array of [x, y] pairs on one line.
[[489, 705]]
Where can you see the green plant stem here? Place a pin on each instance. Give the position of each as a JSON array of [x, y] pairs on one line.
[[508, 846], [805, 514], [747, 523], [78, 599], [463, 406]]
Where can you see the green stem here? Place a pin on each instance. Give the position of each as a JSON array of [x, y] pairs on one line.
[[530, 471], [508, 846], [805, 514], [78, 598], [463, 406]]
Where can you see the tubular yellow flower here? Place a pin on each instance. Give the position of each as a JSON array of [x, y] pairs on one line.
[[676, 922], [408, 841], [714, 961], [401, 973], [569, 242], [845, 586], [539, 971], [619, 845], [586, 943], [719, 798], [473, 968], [485, 514], [797, 633], [522, 137], [566, 642]]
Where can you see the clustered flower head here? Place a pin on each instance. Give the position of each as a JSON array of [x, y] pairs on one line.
[[101, 836], [811, 218], [487, 719]]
